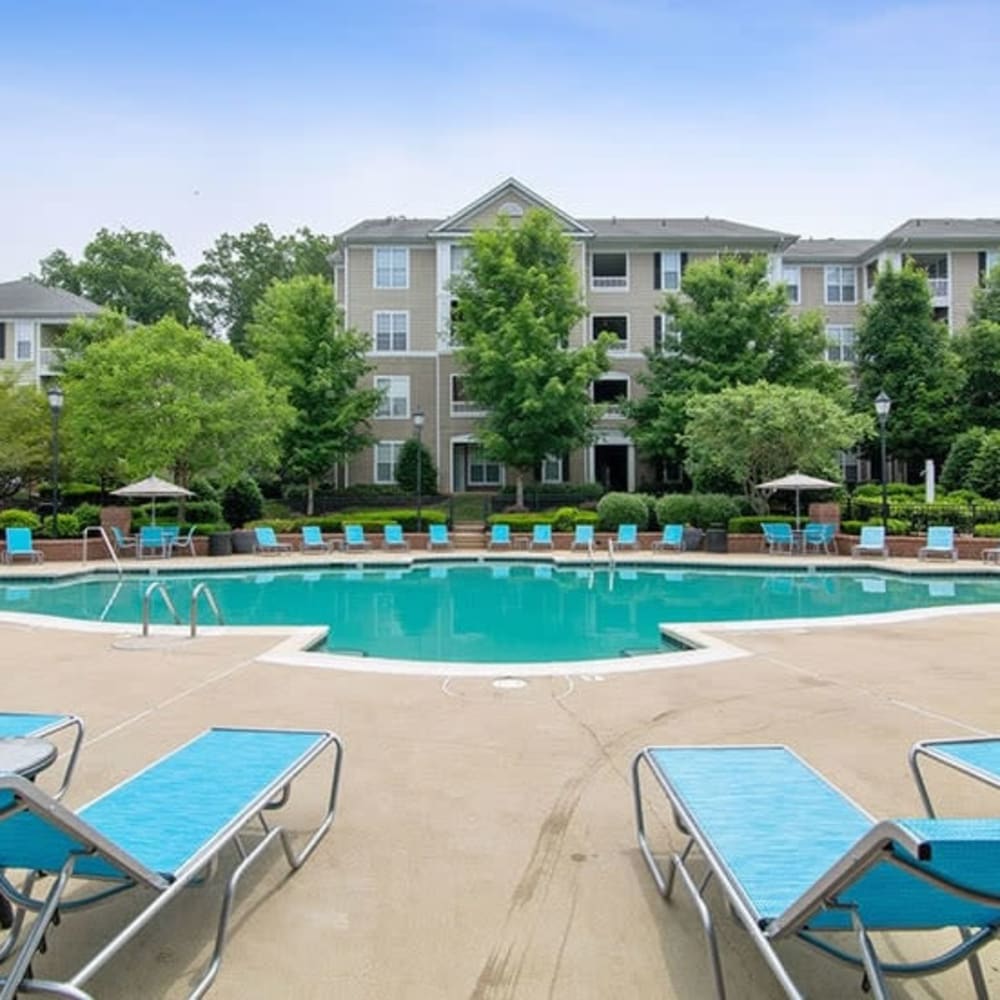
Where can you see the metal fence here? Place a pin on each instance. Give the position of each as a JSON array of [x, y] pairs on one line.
[[962, 516]]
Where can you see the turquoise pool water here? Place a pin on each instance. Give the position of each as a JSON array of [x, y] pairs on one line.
[[499, 612]]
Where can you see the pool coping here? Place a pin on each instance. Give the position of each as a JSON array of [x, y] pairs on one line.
[[293, 647]]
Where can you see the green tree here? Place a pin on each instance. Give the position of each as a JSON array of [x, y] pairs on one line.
[[406, 468], [903, 350], [518, 301], [132, 272], [955, 474], [167, 398], [299, 342], [237, 270], [25, 435], [984, 474], [730, 327], [978, 347], [84, 331], [753, 433]]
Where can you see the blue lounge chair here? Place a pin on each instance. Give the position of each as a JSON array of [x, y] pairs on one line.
[[38, 726], [872, 542], [151, 540], [672, 538], [499, 536], [160, 830], [179, 541], [778, 536], [940, 542], [977, 758], [797, 859], [583, 537], [541, 536], [437, 537], [19, 544], [265, 541], [393, 537], [818, 536], [313, 540], [354, 537], [627, 537], [122, 542]]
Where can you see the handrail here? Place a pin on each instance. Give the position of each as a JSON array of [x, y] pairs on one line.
[[611, 552], [147, 599], [99, 530], [590, 552], [203, 588]]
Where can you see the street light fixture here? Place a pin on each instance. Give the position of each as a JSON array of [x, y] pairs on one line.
[[883, 404], [418, 426], [55, 395]]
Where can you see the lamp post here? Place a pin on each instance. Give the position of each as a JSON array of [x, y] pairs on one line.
[[883, 404], [55, 395], [418, 426]]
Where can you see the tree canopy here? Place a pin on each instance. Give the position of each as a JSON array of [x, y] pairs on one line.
[[752, 433], [978, 347], [237, 270], [729, 327], [902, 349], [25, 436], [298, 341], [130, 271], [518, 301], [167, 398]]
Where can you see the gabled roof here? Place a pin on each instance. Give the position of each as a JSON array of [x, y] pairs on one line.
[[460, 221], [672, 231], [33, 300], [827, 251], [393, 228], [945, 230]]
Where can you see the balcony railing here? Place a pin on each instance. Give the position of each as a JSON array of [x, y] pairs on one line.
[[49, 360], [605, 282], [462, 408], [939, 288]]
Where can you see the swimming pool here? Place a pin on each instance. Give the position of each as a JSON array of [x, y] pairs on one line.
[[500, 612]]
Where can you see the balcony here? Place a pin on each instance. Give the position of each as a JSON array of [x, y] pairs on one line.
[[940, 290], [604, 283], [463, 408], [49, 360]]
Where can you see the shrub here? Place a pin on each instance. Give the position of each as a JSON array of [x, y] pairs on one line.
[[371, 519], [702, 510], [893, 526], [676, 508], [955, 473], [984, 474], [751, 525], [987, 530], [204, 489], [521, 522], [168, 512], [87, 515], [567, 518], [69, 527], [71, 494], [592, 491], [14, 517], [406, 469], [242, 501], [622, 508]]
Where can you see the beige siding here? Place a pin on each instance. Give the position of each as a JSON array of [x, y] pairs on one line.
[[811, 296], [964, 271], [487, 215]]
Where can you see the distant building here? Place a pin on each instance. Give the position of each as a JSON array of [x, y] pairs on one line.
[[32, 319]]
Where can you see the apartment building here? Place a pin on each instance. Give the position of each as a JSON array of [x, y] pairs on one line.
[[392, 280], [32, 319]]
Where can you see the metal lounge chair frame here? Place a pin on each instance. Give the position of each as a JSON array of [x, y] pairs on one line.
[[46, 839], [796, 858], [437, 537], [872, 541], [777, 535], [940, 542], [266, 541], [627, 537], [541, 536], [354, 537], [43, 727], [20, 543], [393, 537], [121, 541], [583, 537], [819, 536], [499, 536], [186, 541], [313, 540]]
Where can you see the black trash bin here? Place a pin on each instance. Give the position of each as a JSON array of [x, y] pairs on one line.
[[220, 543], [243, 541], [716, 540]]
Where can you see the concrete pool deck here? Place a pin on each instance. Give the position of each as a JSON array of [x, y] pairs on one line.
[[484, 844]]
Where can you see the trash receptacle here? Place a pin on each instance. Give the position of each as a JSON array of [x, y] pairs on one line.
[[242, 541], [220, 543], [716, 540]]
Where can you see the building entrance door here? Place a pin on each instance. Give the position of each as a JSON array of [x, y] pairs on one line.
[[611, 466]]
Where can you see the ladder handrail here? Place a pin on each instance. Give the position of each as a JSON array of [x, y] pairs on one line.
[[203, 588], [611, 552], [99, 530], [147, 600]]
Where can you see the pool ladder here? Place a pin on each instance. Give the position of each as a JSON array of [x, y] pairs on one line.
[[159, 587]]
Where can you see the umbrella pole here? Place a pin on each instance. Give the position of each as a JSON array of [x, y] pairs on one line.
[[798, 517]]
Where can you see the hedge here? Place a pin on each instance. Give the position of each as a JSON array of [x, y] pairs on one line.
[[374, 519], [14, 517], [894, 526], [702, 510], [752, 525]]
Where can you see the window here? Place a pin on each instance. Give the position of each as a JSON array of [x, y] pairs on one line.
[[3, 341], [668, 267], [618, 325], [395, 400], [482, 471], [459, 258], [988, 260], [392, 267], [552, 469], [840, 284], [461, 405], [24, 340], [665, 335], [392, 331], [609, 271], [386, 460], [840, 344], [791, 276], [611, 389]]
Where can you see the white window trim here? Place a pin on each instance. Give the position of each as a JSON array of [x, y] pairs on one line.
[[679, 255], [457, 408], [992, 260], [840, 268], [612, 288], [484, 462], [390, 288], [552, 460], [614, 376], [397, 445], [395, 382], [24, 333], [623, 346], [797, 284], [389, 312], [837, 329]]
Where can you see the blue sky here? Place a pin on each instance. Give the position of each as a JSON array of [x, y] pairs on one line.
[[195, 119]]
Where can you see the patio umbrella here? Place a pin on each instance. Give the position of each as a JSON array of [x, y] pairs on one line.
[[797, 481], [152, 487]]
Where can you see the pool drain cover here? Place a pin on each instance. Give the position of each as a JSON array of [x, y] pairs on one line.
[[510, 682]]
